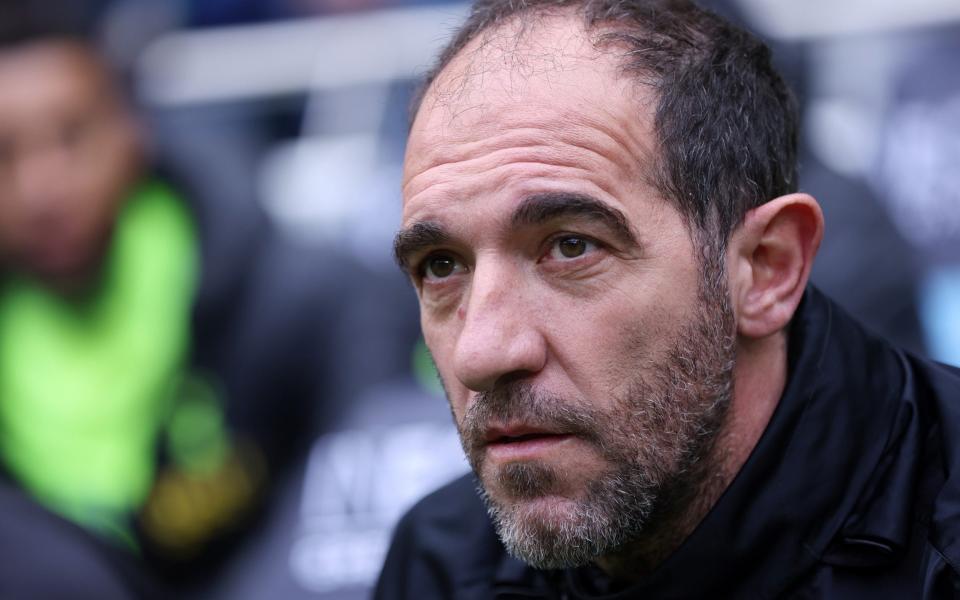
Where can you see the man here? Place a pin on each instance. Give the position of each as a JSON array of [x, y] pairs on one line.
[[155, 366], [602, 225]]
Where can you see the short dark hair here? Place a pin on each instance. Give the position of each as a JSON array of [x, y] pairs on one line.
[[725, 120]]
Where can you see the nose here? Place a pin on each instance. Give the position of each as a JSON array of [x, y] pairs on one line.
[[500, 337]]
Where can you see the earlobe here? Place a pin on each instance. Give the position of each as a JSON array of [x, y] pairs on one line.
[[773, 253]]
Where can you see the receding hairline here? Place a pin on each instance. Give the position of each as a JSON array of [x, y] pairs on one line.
[[515, 33], [514, 36], [725, 124]]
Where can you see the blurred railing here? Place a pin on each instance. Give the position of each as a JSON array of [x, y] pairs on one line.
[[321, 54]]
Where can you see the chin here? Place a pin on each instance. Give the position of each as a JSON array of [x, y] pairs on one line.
[[545, 522], [549, 532]]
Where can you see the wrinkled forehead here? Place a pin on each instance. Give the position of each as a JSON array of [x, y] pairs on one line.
[[533, 71], [521, 54]]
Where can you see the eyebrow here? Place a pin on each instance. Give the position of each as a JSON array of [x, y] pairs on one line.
[[533, 210], [415, 239], [541, 208]]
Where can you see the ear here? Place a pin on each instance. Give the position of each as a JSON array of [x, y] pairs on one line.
[[770, 255]]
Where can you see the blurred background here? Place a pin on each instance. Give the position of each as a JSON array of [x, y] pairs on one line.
[[197, 203]]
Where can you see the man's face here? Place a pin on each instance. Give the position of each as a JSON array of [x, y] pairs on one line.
[[68, 153], [586, 359]]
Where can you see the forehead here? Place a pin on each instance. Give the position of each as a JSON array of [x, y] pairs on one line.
[[531, 91], [46, 74]]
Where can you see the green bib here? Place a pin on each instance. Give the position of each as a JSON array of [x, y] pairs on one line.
[[86, 385]]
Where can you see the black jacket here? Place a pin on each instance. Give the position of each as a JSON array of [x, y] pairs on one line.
[[853, 491]]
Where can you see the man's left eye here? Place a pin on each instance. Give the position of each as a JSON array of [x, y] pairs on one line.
[[571, 246]]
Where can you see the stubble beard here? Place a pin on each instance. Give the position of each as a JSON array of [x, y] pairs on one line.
[[656, 442]]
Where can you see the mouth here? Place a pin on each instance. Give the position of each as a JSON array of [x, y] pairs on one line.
[[522, 442], [516, 433]]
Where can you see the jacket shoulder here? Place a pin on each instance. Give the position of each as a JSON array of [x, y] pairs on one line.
[[444, 547], [939, 385], [45, 556]]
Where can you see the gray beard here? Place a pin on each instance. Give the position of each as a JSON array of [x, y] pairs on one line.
[[656, 441]]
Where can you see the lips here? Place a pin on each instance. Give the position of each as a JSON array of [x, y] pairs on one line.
[[519, 433], [523, 443]]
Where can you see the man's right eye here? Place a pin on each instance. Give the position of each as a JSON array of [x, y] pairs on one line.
[[439, 266]]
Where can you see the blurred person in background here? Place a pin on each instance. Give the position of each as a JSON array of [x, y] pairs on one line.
[[155, 369]]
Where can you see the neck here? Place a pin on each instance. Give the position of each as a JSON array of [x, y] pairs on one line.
[[759, 379]]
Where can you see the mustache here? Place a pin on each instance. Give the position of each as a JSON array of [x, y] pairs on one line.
[[521, 402]]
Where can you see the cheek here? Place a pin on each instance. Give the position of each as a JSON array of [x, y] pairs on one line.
[[440, 339], [620, 336], [105, 182]]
